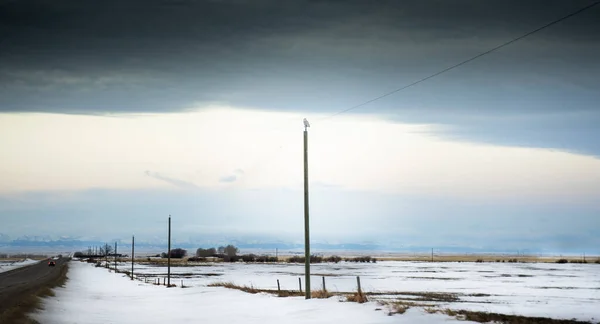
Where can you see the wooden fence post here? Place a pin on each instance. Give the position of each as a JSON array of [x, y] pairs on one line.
[[300, 284], [358, 282], [324, 288], [278, 287]]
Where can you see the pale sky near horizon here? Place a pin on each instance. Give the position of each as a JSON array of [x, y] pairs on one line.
[[125, 112]]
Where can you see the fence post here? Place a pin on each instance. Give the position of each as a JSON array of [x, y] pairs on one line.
[[324, 288], [278, 287], [358, 282], [300, 284], [181, 283]]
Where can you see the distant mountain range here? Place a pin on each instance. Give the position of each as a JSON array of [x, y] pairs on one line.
[[65, 243]]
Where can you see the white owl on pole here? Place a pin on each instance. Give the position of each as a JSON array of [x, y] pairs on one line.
[[306, 124]]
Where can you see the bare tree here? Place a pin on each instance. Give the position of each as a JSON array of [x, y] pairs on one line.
[[231, 250], [178, 253], [205, 252], [106, 250]]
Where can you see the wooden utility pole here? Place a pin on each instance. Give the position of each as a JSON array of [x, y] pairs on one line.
[[132, 254], [115, 257], [306, 221], [169, 256]]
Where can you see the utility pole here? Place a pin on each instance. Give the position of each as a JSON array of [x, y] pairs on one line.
[[115, 257], [306, 222], [431, 254], [169, 256], [132, 254]]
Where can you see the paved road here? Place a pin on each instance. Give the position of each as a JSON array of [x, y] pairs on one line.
[[18, 283]]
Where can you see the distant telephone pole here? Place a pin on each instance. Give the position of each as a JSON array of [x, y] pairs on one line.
[[115, 257], [132, 253], [306, 222], [169, 256]]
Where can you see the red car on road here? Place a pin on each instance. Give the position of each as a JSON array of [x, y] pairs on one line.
[[51, 263]]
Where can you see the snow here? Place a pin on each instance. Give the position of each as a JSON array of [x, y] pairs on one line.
[[10, 265], [562, 291], [94, 295]]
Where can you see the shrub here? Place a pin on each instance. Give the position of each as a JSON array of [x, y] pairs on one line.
[[232, 258], [265, 258], [299, 259], [296, 259], [178, 253], [479, 261], [578, 261], [197, 259], [562, 261], [228, 250], [333, 259], [362, 259], [206, 252], [248, 258]]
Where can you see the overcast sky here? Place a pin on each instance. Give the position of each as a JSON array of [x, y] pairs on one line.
[[126, 111]]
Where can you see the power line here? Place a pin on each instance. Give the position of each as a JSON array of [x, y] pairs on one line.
[[466, 61], [278, 151]]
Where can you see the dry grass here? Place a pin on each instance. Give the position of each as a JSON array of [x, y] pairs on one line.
[[357, 298], [431, 310], [398, 309], [408, 303], [321, 294], [420, 296], [483, 317], [252, 290]]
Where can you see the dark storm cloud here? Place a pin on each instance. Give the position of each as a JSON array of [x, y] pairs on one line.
[[132, 56]]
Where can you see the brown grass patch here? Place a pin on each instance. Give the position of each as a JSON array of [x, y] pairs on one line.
[[431, 310], [399, 309], [409, 303], [357, 298], [421, 296], [252, 290], [321, 294], [483, 317]]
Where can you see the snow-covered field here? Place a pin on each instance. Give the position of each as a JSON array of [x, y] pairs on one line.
[[10, 265], [94, 295]]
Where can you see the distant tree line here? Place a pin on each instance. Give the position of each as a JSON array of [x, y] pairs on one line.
[[331, 259]]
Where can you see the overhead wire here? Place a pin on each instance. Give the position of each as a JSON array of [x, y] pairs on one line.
[[452, 67], [465, 61]]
